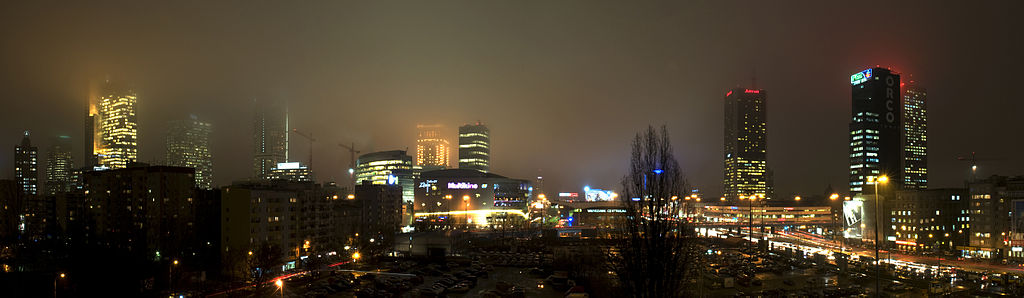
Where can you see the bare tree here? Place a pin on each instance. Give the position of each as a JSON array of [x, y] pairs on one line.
[[266, 257], [656, 251]]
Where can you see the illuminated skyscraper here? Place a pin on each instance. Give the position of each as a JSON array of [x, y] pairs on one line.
[[59, 167], [89, 144], [188, 145], [915, 137], [475, 147], [118, 127], [875, 139], [431, 148], [270, 137], [746, 169], [390, 167], [26, 166]]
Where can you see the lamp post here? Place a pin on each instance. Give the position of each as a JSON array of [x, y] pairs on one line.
[[465, 209], [878, 264], [448, 204], [834, 197], [55, 278], [280, 286], [170, 275]]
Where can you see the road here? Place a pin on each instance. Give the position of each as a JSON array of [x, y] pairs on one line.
[[816, 244]]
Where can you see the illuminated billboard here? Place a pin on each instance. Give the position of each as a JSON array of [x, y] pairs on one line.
[[462, 185], [599, 195], [853, 215], [860, 77]]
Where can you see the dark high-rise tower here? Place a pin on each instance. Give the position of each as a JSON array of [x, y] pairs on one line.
[[475, 147], [270, 137], [915, 137], [746, 169], [875, 138], [188, 145], [26, 166], [59, 167]]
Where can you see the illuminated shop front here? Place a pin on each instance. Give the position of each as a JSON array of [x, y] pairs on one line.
[[469, 198]]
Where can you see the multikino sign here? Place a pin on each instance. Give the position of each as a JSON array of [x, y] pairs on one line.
[[860, 77], [462, 185]]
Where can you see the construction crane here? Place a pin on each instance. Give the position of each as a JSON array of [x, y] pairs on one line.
[[974, 163], [352, 161], [311, 140]]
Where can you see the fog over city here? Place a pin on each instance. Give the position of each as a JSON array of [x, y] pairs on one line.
[[562, 85]]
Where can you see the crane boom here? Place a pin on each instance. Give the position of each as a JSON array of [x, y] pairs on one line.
[[352, 160], [311, 140], [974, 163]]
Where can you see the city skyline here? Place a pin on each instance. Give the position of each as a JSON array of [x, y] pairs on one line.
[[578, 148], [662, 80]]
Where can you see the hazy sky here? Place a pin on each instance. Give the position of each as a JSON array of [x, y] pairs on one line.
[[563, 85]]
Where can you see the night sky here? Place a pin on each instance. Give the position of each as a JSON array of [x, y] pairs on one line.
[[563, 85]]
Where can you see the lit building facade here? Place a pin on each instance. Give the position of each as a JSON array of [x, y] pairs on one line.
[[432, 149], [875, 129], [26, 166], [996, 225], [475, 147], [59, 166], [270, 137], [388, 167], [461, 197], [144, 209], [915, 137], [393, 167], [118, 127], [188, 145], [928, 220], [302, 219], [746, 169], [381, 216], [769, 215], [290, 171]]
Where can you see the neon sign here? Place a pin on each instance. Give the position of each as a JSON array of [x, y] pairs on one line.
[[751, 91], [462, 185], [860, 77], [569, 194], [427, 184]]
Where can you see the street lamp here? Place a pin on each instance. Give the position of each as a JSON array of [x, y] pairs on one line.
[[834, 197], [280, 286], [59, 276], [170, 278], [750, 217], [448, 205], [878, 264], [465, 209]]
